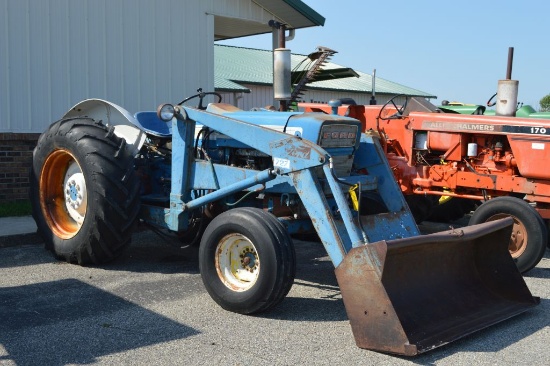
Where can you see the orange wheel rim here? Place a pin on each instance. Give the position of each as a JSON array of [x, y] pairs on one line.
[[519, 237], [63, 195]]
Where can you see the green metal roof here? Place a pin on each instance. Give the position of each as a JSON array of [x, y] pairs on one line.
[[224, 85], [253, 66], [363, 84]]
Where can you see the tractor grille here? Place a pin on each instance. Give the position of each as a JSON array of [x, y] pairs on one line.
[[338, 135], [335, 136]]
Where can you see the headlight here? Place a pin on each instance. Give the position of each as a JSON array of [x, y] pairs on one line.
[[166, 112]]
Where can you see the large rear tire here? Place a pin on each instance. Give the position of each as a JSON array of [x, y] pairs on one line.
[[529, 234], [84, 191], [247, 260]]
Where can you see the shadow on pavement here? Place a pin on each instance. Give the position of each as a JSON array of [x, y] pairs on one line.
[[503, 335], [71, 322]]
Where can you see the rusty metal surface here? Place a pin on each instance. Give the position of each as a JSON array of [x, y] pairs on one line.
[[433, 289]]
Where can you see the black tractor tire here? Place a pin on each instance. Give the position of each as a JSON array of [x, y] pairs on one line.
[[529, 235], [264, 270], [84, 191], [451, 210]]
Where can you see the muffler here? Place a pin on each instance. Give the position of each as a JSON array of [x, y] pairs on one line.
[[408, 296]]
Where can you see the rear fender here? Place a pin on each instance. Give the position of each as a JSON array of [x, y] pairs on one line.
[[111, 115]]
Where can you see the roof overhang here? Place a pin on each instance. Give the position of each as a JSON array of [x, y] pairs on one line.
[[293, 13]]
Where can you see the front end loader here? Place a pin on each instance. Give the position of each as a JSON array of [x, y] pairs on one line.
[[238, 183], [449, 164]]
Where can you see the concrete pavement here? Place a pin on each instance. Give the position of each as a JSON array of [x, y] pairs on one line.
[[18, 230]]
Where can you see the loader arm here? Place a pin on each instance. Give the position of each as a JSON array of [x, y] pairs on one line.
[[405, 294], [293, 158]]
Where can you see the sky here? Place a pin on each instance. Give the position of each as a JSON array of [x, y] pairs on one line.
[[456, 50]]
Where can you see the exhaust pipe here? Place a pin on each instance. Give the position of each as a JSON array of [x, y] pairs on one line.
[[507, 91]]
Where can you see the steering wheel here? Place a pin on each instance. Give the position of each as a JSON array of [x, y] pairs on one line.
[[201, 96], [400, 110], [490, 102]]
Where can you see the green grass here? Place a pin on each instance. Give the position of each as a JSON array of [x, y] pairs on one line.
[[15, 209]]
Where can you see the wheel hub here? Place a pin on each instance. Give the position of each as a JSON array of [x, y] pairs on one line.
[[519, 237], [248, 260], [237, 262], [75, 193]]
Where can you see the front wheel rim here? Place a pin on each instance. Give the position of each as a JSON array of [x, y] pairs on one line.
[[63, 194], [237, 262]]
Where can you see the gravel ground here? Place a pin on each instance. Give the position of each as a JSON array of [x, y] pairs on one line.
[[149, 307]]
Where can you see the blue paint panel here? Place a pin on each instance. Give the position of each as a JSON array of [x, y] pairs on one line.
[[389, 226], [205, 176], [304, 125], [224, 191]]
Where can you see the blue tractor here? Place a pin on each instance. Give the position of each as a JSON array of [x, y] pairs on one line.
[[239, 183]]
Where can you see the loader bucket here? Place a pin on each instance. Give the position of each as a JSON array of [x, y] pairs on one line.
[[408, 296]]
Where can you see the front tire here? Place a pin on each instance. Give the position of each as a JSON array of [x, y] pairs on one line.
[[529, 234], [247, 260], [84, 191]]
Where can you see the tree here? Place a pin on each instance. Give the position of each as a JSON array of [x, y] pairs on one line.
[[545, 103]]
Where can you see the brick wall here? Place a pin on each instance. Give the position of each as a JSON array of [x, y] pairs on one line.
[[15, 161]]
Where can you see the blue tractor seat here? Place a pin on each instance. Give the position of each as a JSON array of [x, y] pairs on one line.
[[150, 123]]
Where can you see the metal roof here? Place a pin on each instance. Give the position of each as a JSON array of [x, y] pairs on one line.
[[254, 66], [363, 84], [293, 13], [224, 85]]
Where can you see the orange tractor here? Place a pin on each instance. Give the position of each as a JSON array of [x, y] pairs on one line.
[[493, 165]]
